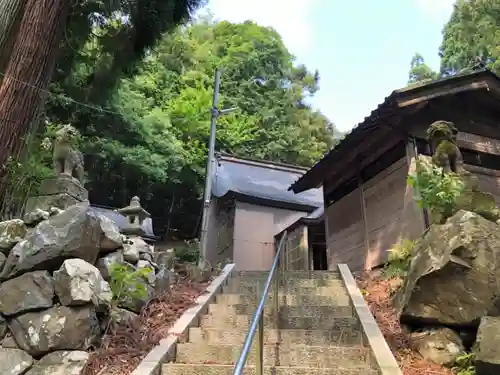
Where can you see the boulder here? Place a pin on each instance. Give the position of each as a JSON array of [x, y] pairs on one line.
[[64, 362], [78, 283], [8, 341], [74, 233], [58, 328], [165, 258], [3, 259], [441, 346], [130, 253], [486, 347], [36, 216], [104, 263], [14, 361], [29, 292], [3, 328], [11, 232], [111, 238], [453, 275], [122, 316], [163, 280]]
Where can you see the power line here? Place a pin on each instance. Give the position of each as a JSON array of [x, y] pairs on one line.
[[62, 96]]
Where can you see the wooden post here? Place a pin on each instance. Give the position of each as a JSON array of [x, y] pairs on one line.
[[363, 210]]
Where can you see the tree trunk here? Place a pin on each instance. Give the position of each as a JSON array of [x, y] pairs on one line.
[[27, 75], [10, 17]]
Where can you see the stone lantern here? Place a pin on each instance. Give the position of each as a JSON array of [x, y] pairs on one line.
[[135, 215]]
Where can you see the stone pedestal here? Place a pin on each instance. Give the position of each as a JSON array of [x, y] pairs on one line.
[[61, 192]]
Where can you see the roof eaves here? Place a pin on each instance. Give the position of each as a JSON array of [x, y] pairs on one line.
[[364, 126], [369, 123]]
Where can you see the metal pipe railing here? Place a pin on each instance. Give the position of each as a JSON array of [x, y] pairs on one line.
[[257, 324]]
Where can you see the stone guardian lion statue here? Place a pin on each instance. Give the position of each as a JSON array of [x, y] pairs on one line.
[[442, 135], [68, 161]]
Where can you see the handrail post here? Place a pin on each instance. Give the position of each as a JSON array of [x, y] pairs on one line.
[[258, 318], [260, 346]]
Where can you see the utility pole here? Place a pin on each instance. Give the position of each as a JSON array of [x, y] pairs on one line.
[[207, 196]]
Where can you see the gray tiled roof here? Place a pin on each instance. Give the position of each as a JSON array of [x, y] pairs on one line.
[[262, 180], [121, 220]]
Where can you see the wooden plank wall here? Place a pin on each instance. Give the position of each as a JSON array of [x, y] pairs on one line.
[[364, 225], [345, 238]]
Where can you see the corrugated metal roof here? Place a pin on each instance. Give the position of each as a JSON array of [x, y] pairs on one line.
[[356, 134], [263, 180]]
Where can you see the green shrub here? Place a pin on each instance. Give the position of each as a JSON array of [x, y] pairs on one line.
[[190, 253], [399, 259], [128, 283], [436, 190], [464, 364]]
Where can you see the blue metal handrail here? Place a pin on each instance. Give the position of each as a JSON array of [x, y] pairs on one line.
[[258, 318]]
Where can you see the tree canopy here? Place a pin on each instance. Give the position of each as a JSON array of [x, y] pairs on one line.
[[148, 135], [471, 35]]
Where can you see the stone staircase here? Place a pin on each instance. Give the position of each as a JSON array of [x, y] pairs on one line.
[[317, 332]]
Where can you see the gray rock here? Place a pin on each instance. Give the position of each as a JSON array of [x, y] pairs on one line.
[[78, 283], [36, 216], [130, 253], [14, 361], [58, 328], [441, 346], [122, 316], [164, 279], [11, 233], [3, 328], [74, 233], [55, 211], [452, 280], [8, 341], [3, 259], [67, 362], [486, 347], [165, 258], [111, 238], [28, 292], [104, 263]]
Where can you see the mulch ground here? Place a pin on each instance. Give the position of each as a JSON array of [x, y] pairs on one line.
[[377, 293], [124, 348]]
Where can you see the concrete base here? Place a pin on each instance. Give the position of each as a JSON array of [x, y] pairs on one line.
[[61, 192], [64, 185]]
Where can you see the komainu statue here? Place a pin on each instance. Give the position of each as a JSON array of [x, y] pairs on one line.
[[67, 159], [442, 136]]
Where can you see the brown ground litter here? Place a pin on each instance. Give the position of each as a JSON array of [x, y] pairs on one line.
[[125, 347], [377, 294]]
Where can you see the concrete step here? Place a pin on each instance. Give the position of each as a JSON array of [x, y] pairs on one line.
[[213, 369], [340, 299], [276, 355], [333, 290], [347, 337], [286, 282], [292, 274], [284, 311], [243, 322]]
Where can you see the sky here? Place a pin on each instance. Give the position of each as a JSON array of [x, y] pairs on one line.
[[362, 49]]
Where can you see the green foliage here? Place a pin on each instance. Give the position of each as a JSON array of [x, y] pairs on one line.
[[190, 253], [151, 137], [399, 259], [128, 283], [464, 365], [420, 72], [473, 31], [436, 190]]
